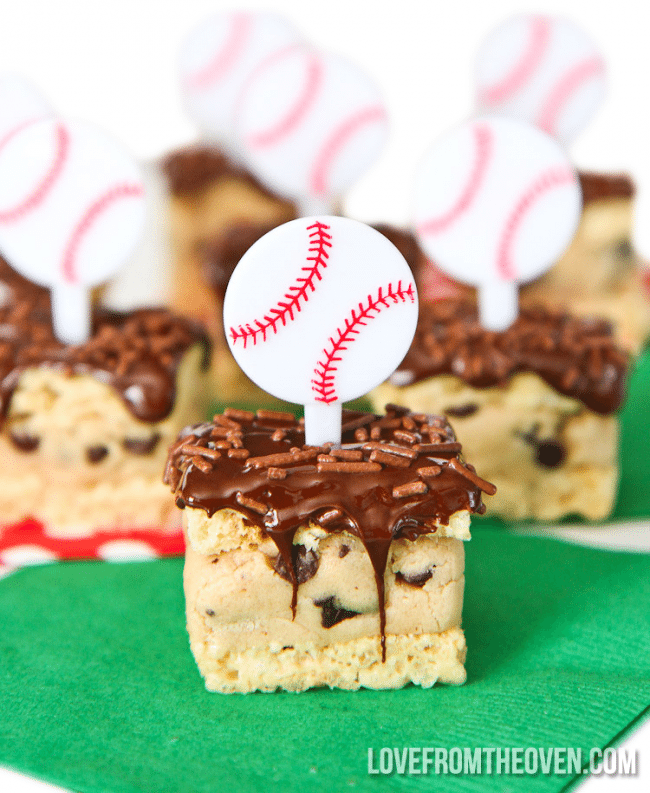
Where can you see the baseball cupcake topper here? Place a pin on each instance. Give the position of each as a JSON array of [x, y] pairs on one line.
[[310, 123], [71, 213], [217, 59], [319, 311], [497, 202], [540, 69]]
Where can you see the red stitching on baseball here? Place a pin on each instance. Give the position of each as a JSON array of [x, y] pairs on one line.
[[336, 141], [566, 86], [483, 144], [19, 128], [225, 58], [313, 79], [42, 189], [115, 193], [502, 91], [325, 371], [319, 241], [555, 177]]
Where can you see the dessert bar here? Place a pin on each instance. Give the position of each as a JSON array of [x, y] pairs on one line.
[[334, 565], [85, 429], [534, 406]]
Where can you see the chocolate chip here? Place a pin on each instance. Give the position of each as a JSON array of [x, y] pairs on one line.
[[305, 563], [332, 614], [344, 550], [209, 612], [550, 454], [623, 249], [462, 411], [415, 579], [95, 454], [141, 445], [24, 441]]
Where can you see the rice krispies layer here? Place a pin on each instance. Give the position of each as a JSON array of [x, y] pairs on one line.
[[547, 453], [74, 457], [243, 635]]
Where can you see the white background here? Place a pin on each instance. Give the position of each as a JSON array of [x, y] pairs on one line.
[[114, 63]]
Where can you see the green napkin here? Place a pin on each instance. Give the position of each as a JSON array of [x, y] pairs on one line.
[[99, 692]]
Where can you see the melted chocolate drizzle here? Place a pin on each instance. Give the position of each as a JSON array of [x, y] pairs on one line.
[[137, 354], [400, 480], [577, 357]]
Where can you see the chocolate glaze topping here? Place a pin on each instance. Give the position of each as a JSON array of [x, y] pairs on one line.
[[393, 476], [194, 168], [576, 356], [15, 288], [599, 186], [137, 354]]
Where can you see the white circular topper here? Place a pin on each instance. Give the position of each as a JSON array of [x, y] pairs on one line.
[[219, 56], [72, 203], [496, 200], [311, 123], [320, 310], [541, 69]]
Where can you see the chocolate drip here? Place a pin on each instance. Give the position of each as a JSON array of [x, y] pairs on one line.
[[137, 354], [576, 356], [403, 491]]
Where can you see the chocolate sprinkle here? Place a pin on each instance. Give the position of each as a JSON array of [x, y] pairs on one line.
[[362, 497], [576, 356]]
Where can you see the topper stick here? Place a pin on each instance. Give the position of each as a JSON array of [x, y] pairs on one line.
[[323, 423], [310, 322], [71, 312], [315, 205], [498, 304]]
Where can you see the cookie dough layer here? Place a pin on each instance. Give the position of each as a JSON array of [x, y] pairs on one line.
[[209, 196], [244, 638], [548, 454], [600, 274], [74, 457]]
